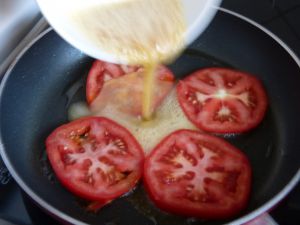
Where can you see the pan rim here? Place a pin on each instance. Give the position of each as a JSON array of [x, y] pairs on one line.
[[40, 201]]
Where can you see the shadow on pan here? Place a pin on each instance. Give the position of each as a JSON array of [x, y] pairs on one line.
[[50, 75]]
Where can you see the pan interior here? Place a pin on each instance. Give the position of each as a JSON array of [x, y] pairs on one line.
[[51, 75]]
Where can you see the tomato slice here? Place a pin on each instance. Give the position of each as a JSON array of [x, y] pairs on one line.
[[101, 72], [95, 158], [222, 100], [198, 175], [124, 94]]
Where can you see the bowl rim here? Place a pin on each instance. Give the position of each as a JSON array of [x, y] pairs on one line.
[[78, 41]]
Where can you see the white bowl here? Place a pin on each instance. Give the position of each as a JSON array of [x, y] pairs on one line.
[[198, 15]]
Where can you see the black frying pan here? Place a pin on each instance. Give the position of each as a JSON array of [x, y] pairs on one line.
[[37, 90]]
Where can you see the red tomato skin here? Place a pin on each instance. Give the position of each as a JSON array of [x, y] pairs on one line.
[[165, 74], [95, 79], [58, 166], [185, 209], [248, 125], [93, 89]]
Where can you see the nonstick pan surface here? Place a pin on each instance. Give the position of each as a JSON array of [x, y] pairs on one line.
[[50, 74]]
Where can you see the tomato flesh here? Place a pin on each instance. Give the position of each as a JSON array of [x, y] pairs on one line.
[[95, 158], [222, 100], [199, 175]]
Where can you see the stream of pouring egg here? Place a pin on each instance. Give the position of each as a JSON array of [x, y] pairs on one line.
[[149, 83], [144, 32]]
